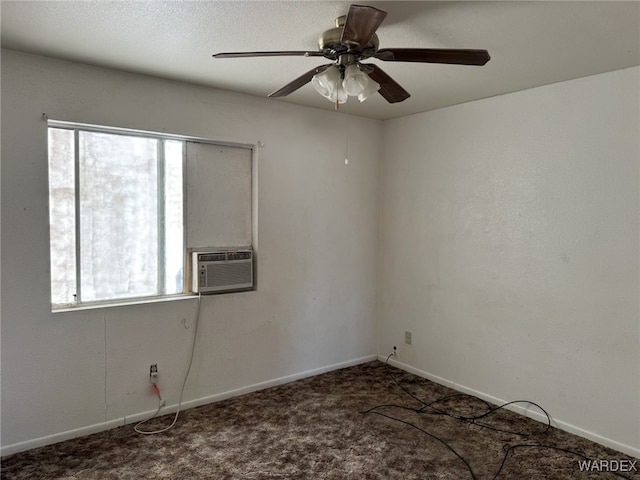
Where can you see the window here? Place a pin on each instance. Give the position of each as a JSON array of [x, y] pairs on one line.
[[116, 215], [127, 207]]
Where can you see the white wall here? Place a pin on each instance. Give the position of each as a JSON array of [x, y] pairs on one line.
[[510, 250], [66, 374]]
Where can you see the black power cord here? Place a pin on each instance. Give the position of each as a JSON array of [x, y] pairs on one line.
[[429, 408]]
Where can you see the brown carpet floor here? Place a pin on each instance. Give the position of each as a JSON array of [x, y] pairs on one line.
[[316, 429]]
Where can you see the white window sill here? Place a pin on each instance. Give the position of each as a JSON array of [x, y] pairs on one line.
[[122, 303], [141, 301]]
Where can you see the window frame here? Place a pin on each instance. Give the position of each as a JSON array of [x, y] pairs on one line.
[[186, 290]]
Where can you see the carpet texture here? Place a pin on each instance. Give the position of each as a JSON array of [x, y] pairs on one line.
[[316, 429]]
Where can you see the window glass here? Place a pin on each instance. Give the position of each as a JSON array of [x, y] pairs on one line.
[[62, 225], [119, 221], [173, 216], [117, 228]]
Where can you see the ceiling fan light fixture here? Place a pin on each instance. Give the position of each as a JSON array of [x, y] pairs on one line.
[[355, 80], [329, 84], [340, 95], [372, 87], [356, 83]]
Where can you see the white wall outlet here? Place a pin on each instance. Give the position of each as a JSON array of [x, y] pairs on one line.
[[153, 372]]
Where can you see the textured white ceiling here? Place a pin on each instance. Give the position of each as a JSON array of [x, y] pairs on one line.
[[531, 43]]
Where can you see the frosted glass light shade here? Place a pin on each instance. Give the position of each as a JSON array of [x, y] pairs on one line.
[[372, 88], [326, 83], [355, 80], [330, 84]]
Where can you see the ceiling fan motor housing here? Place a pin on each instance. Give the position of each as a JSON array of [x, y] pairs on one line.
[[331, 46]]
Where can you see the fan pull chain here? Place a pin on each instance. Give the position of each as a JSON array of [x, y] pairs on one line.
[[346, 147]]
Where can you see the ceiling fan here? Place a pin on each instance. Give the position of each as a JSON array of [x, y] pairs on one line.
[[352, 40]]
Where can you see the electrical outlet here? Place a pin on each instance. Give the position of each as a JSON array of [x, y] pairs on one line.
[[407, 338], [153, 372], [395, 351]]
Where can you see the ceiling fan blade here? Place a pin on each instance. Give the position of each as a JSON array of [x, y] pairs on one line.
[[291, 53], [434, 55], [299, 82], [361, 23], [389, 88]]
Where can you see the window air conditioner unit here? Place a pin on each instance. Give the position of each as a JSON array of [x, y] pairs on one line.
[[222, 271]]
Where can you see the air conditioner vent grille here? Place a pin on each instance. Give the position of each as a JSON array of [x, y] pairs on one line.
[[228, 274], [222, 271], [212, 257]]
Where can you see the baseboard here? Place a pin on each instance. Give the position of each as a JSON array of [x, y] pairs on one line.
[[250, 388], [129, 419], [59, 437], [531, 412]]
